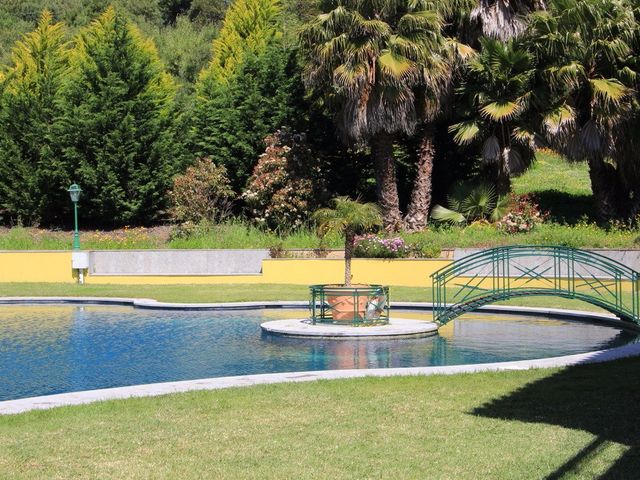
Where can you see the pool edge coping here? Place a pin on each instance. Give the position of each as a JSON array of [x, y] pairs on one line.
[[22, 405]]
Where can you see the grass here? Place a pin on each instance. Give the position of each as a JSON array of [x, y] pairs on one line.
[[436, 238], [479, 235], [239, 293], [550, 172], [241, 235], [28, 238], [561, 188], [577, 422]]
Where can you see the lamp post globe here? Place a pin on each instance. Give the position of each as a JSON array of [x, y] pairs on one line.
[[74, 192]]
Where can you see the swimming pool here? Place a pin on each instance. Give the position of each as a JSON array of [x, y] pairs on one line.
[[64, 348]]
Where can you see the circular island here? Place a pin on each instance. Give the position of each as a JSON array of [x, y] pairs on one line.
[[396, 328], [361, 311]]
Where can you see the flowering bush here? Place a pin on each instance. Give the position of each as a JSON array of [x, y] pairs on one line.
[[524, 214], [202, 193], [286, 183], [373, 246]]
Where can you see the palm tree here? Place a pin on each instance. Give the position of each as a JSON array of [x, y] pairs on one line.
[[587, 51], [348, 217], [431, 98], [495, 97], [370, 57], [466, 21], [504, 19]]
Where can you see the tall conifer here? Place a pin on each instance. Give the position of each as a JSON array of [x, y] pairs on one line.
[[29, 178], [249, 27], [118, 118], [230, 124], [248, 90]]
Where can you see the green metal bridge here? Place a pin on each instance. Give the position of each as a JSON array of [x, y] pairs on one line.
[[517, 271]]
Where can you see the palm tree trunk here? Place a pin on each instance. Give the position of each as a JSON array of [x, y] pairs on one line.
[[420, 202], [503, 179], [603, 184], [349, 238], [503, 175], [386, 184]]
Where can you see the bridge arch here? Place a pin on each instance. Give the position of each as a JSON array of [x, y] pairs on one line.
[[506, 272]]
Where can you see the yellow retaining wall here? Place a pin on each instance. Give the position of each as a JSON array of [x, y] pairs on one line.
[[35, 267], [56, 267]]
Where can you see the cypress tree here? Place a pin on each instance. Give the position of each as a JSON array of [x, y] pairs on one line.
[[249, 27], [30, 178], [116, 131]]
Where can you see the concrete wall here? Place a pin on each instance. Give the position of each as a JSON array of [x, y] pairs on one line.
[[177, 262], [519, 266], [630, 258], [413, 273]]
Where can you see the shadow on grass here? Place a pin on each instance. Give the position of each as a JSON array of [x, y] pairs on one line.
[[603, 399], [565, 207]]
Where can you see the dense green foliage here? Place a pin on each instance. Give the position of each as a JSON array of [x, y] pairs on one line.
[[116, 132], [249, 27], [231, 119], [493, 96], [32, 93], [401, 99]]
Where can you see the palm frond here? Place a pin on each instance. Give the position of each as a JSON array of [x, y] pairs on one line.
[[501, 208], [396, 67], [608, 90], [480, 202], [491, 150], [445, 215], [460, 50], [559, 119], [347, 214], [501, 111], [591, 138], [465, 132]]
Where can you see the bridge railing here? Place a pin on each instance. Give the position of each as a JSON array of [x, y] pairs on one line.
[[506, 272]]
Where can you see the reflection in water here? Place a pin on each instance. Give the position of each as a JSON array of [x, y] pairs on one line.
[[52, 349]]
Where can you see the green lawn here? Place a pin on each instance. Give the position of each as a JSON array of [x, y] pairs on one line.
[[579, 422], [236, 293], [561, 188], [550, 172]]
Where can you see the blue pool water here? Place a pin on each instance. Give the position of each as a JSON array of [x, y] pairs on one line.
[[63, 348]]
